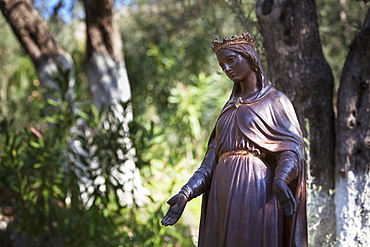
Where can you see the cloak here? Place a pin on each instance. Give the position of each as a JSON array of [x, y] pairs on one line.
[[269, 121]]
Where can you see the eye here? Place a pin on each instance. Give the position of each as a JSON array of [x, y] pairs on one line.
[[230, 59]]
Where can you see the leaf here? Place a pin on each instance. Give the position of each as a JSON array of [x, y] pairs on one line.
[[84, 115], [52, 119], [37, 165], [35, 144], [58, 191], [53, 102]]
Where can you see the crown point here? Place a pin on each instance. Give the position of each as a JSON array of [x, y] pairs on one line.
[[245, 39]]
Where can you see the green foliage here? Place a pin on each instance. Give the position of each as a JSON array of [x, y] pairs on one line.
[[315, 209], [150, 232], [176, 87], [178, 91], [63, 175], [44, 181], [339, 22], [17, 80]]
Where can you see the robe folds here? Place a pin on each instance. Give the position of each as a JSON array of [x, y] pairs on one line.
[[254, 142]]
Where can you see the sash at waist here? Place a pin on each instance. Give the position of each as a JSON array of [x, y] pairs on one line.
[[254, 153]]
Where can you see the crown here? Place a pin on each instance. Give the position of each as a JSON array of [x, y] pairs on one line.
[[234, 40]]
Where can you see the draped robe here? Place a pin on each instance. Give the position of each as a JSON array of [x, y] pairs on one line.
[[239, 207]]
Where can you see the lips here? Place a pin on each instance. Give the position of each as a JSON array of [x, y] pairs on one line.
[[231, 75]]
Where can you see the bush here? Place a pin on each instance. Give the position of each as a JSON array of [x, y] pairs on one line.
[[67, 180]]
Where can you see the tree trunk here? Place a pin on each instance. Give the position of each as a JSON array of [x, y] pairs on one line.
[[352, 197], [110, 86], [296, 66], [35, 37], [107, 70]]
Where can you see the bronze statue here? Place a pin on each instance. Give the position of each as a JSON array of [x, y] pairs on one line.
[[253, 174]]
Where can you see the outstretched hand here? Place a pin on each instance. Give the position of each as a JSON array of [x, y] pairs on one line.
[[177, 203], [285, 197]]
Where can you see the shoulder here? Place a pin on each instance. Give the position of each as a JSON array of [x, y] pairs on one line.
[[274, 96], [278, 94]]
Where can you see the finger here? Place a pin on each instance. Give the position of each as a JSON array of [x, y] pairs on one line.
[[292, 200], [169, 222], [166, 221], [288, 209], [282, 198], [170, 218], [290, 194]]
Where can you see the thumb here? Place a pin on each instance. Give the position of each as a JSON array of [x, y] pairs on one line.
[[173, 200]]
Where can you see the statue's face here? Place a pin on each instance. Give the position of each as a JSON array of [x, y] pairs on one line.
[[235, 66]]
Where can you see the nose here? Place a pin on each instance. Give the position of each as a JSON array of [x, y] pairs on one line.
[[227, 68]]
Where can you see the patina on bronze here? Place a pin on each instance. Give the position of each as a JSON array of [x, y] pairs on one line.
[[253, 176]]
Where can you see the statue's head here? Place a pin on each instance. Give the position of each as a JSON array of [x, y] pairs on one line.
[[245, 46]]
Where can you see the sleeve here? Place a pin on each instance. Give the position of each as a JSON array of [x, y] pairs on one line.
[[201, 179], [287, 167]]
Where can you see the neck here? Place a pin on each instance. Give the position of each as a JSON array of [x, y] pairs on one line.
[[249, 86]]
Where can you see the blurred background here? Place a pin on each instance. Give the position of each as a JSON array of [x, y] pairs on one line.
[[106, 108]]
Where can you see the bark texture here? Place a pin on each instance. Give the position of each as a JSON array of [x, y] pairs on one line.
[[352, 196], [38, 42], [107, 70], [110, 87], [296, 66]]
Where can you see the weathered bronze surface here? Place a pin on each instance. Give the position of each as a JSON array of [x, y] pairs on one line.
[[253, 174]]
